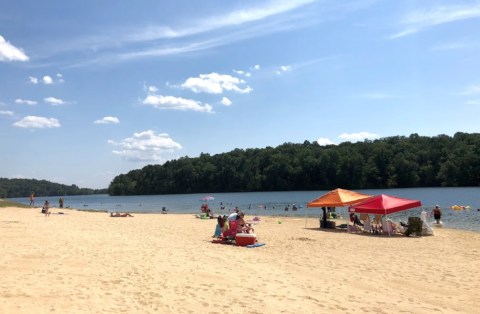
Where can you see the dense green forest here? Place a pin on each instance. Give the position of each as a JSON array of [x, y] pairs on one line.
[[392, 162], [24, 187]]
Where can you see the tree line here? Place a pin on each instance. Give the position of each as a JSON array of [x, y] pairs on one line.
[[391, 162], [24, 187]]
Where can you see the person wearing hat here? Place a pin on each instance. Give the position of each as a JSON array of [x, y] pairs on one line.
[[437, 213]]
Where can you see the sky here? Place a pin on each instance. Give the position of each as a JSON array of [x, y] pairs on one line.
[[93, 89]]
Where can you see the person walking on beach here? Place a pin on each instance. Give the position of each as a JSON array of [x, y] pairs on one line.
[[437, 213], [60, 202], [32, 200]]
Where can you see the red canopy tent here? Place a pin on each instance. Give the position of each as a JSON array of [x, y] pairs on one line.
[[384, 204]]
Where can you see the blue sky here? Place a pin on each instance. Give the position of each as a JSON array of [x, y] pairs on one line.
[[91, 89]]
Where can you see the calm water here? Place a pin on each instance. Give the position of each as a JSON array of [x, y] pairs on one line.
[[275, 202]]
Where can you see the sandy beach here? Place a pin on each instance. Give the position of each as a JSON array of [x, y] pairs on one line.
[[88, 262]]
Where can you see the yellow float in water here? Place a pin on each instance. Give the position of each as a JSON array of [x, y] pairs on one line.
[[459, 207]]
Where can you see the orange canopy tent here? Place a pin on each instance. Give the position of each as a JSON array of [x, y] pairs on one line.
[[336, 198]]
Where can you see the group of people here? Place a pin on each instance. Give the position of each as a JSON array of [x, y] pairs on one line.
[[378, 225], [206, 210], [232, 224], [294, 207]]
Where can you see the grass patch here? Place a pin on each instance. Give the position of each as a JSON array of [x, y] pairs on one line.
[[4, 203]]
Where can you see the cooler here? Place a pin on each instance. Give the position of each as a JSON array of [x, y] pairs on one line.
[[244, 239]]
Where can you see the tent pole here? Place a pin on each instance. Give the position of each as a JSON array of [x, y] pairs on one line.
[[306, 210], [386, 221], [347, 216]]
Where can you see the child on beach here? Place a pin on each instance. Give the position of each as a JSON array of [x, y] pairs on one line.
[[46, 209]]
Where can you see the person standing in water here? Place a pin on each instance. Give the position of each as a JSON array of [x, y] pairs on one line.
[[32, 200], [437, 213]]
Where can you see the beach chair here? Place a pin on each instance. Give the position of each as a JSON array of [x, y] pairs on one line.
[[415, 225], [231, 232], [367, 225], [377, 224], [389, 227]]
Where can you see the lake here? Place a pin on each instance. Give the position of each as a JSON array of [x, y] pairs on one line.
[[273, 203]]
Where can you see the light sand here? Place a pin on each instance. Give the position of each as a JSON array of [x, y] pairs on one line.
[[84, 262]]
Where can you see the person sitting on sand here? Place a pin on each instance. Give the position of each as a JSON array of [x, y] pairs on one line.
[[120, 215], [221, 226], [46, 208], [242, 226], [233, 216]]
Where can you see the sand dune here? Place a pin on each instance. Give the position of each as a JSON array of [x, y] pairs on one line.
[[86, 262]]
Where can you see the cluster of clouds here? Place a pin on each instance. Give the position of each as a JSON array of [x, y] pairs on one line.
[[48, 100], [148, 145], [36, 122], [211, 83], [47, 79]]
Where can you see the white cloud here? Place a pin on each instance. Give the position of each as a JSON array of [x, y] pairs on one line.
[[6, 113], [463, 44], [37, 122], [422, 19], [53, 101], [146, 146], [473, 102], [8, 52], [323, 141], [25, 102], [358, 136], [404, 33], [283, 68], [149, 40], [470, 90], [244, 73], [33, 80], [235, 18], [107, 120], [256, 67], [176, 103], [215, 83], [152, 89], [47, 80], [225, 101]]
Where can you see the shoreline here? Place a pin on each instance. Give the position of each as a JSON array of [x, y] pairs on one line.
[[84, 262]]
